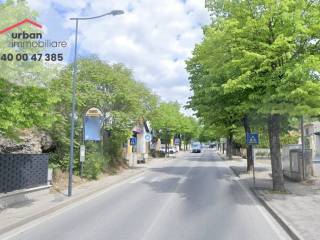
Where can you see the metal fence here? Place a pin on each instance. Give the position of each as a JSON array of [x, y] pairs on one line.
[[22, 171]]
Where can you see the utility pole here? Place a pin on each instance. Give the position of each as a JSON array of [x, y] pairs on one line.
[[74, 81], [302, 146]]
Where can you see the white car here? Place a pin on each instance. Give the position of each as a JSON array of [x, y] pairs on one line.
[[162, 150], [170, 150]]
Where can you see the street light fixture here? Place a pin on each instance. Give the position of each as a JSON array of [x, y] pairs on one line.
[[74, 80]]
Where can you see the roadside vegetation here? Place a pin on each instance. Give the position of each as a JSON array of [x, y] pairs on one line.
[[37, 96], [257, 69]]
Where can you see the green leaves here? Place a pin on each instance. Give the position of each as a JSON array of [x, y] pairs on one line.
[[30, 73], [257, 57], [111, 88], [25, 107], [168, 116]]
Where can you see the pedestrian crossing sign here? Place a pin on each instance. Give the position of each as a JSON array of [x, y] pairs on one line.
[[252, 138], [133, 141]]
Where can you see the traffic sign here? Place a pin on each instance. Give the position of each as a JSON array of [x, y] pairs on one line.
[[133, 141], [82, 153], [148, 137], [252, 138], [177, 141]]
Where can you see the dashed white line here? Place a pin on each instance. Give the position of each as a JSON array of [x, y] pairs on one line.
[[138, 179], [182, 180], [156, 179], [264, 213], [166, 204]]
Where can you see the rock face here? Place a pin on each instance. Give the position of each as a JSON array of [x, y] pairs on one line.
[[30, 142]]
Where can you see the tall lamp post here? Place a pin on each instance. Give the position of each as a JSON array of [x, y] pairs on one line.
[[74, 80]]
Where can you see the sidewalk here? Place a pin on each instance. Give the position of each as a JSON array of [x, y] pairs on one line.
[[45, 204], [298, 211]]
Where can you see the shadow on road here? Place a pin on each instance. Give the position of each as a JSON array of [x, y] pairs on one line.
[[204, 186]]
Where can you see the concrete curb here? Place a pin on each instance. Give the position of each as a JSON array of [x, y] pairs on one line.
[[284, 224], [235, 172], [24, 191], [64, 204]]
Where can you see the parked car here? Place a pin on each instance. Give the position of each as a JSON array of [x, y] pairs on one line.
[[171, 150], [162, 150], [196, 147]]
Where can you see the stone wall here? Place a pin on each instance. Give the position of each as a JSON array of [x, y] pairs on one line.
[[29, 141]]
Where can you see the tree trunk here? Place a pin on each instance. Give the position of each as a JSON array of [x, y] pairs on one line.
[[247, 129], [229, 146], [276, 164]]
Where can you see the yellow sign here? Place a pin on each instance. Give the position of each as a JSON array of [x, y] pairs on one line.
[[94, 112]]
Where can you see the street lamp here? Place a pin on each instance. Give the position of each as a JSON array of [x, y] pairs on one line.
[[74, 79]]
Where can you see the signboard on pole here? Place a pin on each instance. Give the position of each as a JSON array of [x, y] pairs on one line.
[[93, 121], [82, 153], [148, 137], [92, 128], [252, 138], [133, 141], [177, 141]]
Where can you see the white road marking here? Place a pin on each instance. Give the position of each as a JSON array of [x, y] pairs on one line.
[[264, 213], [272, 222], [182, 180], [19, 230], [138, 179], [165, 206], [156, 179]]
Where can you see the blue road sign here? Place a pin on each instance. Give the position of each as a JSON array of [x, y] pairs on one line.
[[177, 141], [252, 138], [148, 137], [133, 141]]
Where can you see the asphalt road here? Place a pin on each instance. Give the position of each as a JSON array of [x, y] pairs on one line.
[[192, 197]]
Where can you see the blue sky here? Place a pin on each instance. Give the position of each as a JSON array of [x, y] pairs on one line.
[[153, 38]]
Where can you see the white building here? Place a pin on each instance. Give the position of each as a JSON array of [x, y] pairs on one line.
[[312, 134]]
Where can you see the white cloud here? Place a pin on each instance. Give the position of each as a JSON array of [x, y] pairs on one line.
[[153, 38]]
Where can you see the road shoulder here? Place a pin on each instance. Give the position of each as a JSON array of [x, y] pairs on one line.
[[276, 204], [46, 204]]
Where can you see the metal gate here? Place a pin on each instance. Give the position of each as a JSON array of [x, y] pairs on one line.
[[22, 171]]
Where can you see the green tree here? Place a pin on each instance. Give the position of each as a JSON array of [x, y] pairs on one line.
[[25, 107], [210, 70], [111, 88], [21, 72], [273, 46], [189, 129], [165, 119], [25, 98], [167, 116]]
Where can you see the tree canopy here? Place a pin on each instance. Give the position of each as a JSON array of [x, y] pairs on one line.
[[258, 59], [167, 116]]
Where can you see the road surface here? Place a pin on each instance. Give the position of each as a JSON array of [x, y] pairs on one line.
[[195, 196]]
